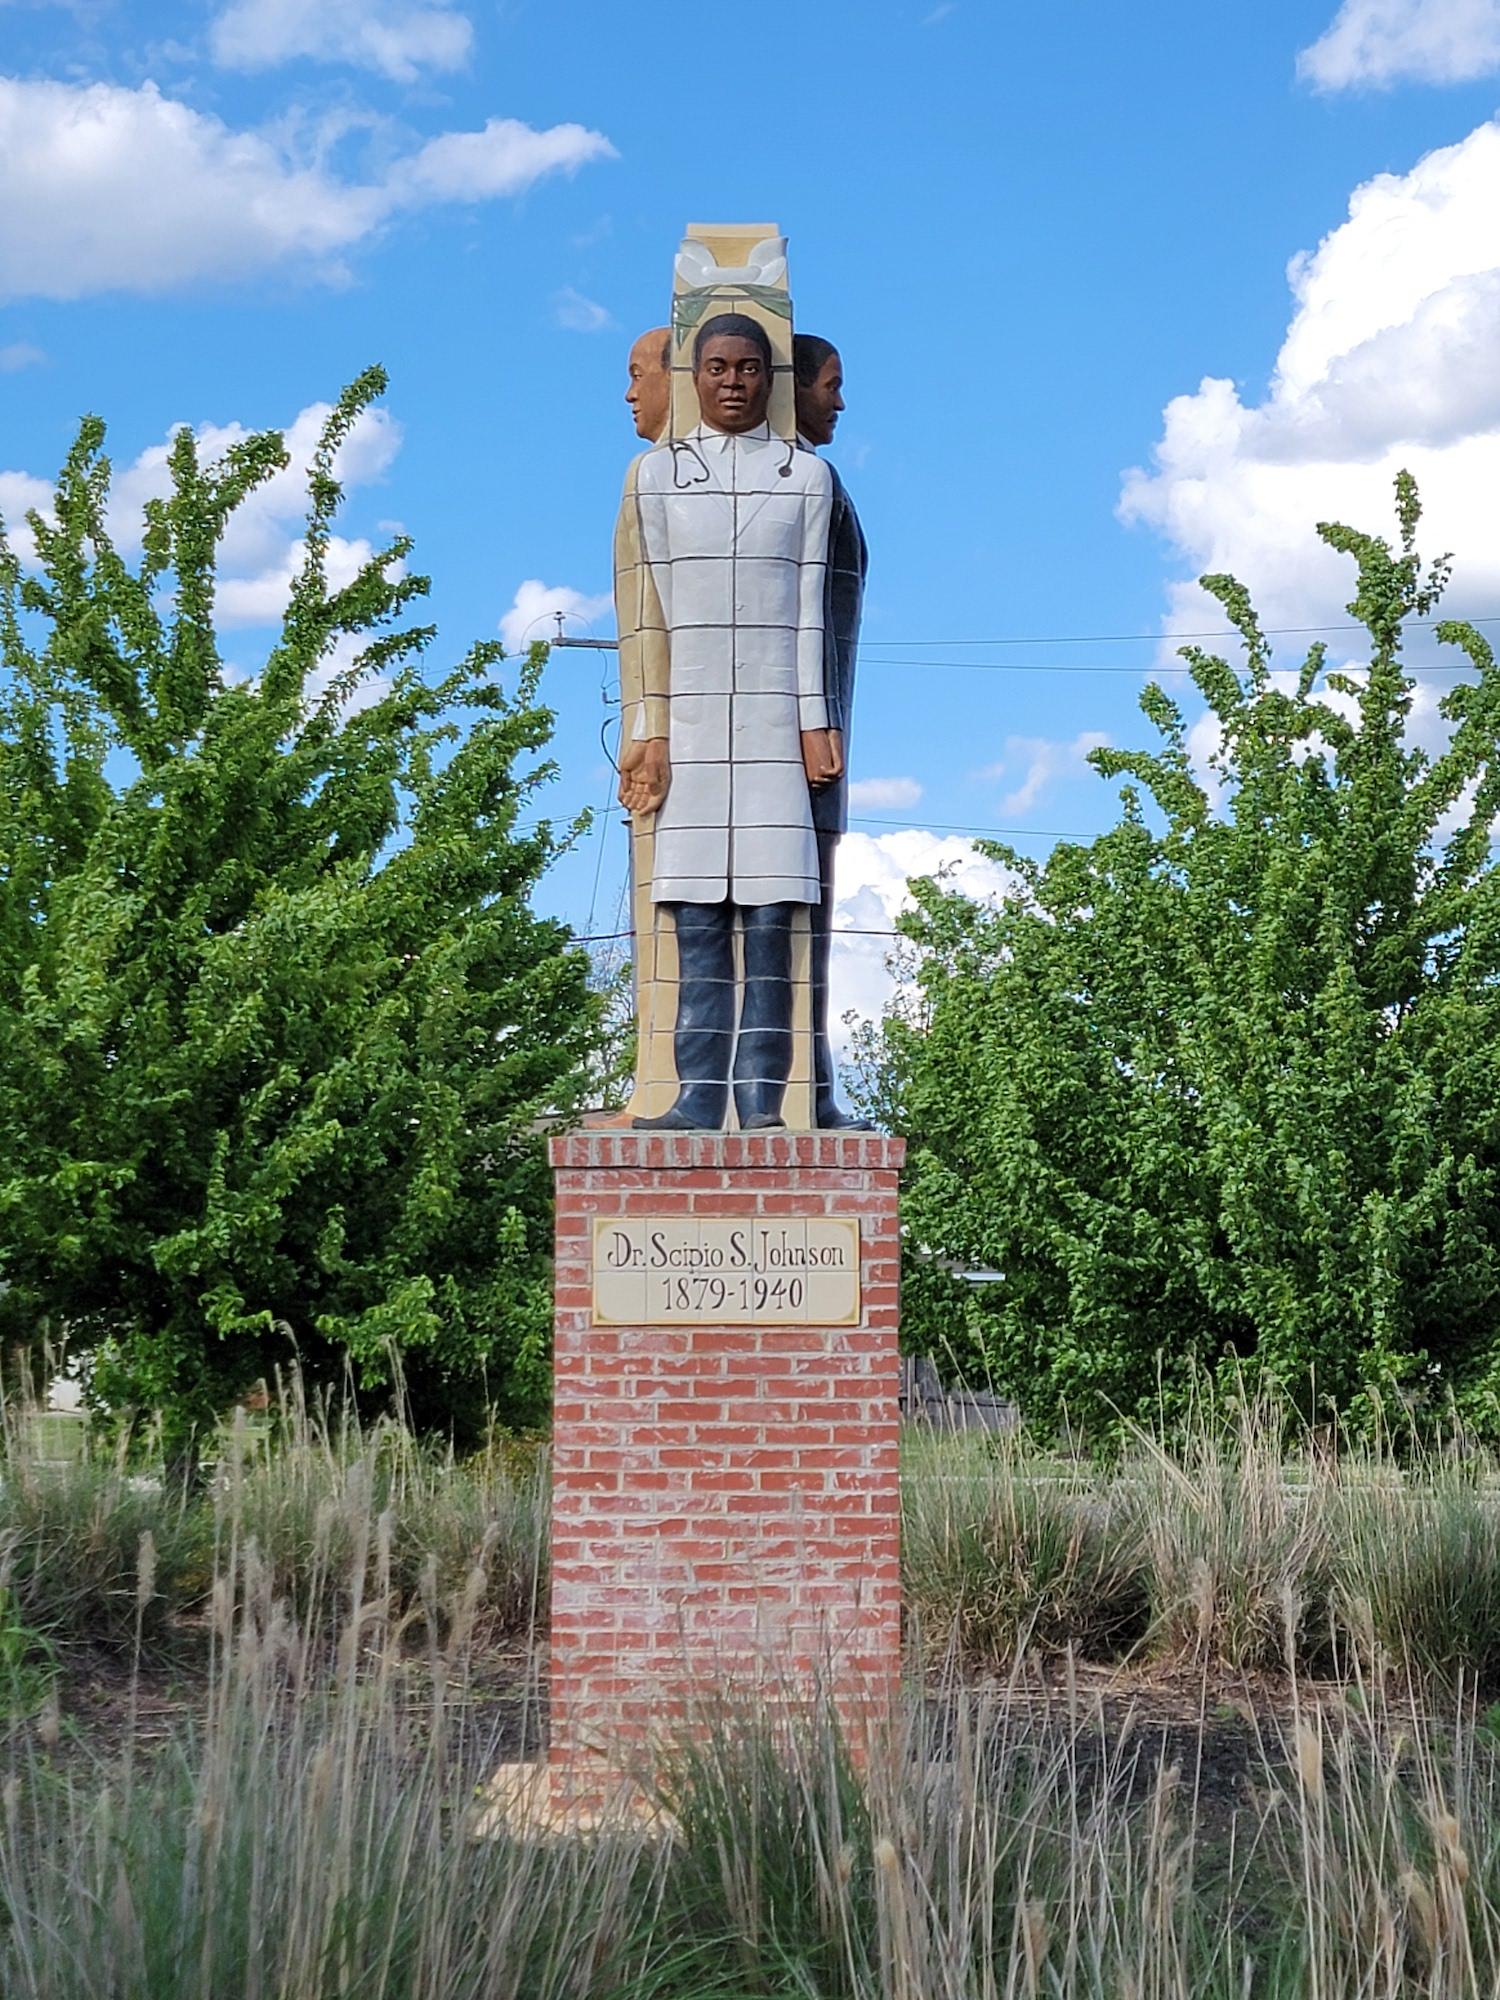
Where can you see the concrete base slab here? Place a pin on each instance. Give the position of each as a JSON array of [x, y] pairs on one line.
[[545, 1802]]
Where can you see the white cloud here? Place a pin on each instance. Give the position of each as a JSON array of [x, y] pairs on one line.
[[1041, 759], [871, 890], [506, 157], [396, 38], [20, 354], [261, 599], [579, 314], [339, 658], [20, 495], [260, 530], [262, 548], [1382, 42], [890, 793], [257, 547], [109, 189], [1388, 362], [533, 613]]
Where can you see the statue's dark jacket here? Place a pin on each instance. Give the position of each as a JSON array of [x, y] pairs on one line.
[[848, 560]]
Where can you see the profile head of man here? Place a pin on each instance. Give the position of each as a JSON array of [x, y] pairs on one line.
[[732, 372], [649, 390], [818, 372]]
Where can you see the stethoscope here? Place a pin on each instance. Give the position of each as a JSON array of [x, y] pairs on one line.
[[678, 446]]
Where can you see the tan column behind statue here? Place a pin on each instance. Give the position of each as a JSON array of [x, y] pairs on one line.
[[667, 408]]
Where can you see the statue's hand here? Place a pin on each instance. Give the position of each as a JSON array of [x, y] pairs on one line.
[[822, 761], [645, 775]]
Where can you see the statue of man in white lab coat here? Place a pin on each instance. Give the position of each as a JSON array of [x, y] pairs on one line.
[[733, 525]]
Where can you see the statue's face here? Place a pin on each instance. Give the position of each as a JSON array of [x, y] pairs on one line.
[[733, 383], [820, 401], [649, 393]]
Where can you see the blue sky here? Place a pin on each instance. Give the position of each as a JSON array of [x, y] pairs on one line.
[[1052, 243]]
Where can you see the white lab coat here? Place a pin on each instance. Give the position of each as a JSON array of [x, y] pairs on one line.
[[735, 530]]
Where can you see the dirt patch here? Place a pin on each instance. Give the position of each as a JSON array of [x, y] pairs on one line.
[[1221, 1741], [101, 1706]]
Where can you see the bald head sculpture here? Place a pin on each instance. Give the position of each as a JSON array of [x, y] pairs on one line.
[[649, 392]]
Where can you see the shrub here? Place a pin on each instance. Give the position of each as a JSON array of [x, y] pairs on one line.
[[1005, 1552], [1221, 1083], [1235, 1543], [94, 1552], [1419, 1571], [279, 1025]]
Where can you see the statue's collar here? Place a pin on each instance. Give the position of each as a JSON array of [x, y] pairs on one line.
[[720, 440]]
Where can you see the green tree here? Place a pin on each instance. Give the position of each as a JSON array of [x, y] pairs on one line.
[[278, 1025], [1223, 1085]]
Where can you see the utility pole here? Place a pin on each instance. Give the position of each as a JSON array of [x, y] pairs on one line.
[[589, 645]]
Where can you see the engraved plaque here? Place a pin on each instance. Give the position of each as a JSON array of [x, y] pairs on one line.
[[768, 1270]]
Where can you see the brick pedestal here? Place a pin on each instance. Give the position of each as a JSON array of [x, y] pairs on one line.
[[725, 1497]]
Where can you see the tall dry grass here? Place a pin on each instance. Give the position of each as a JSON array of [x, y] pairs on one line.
[[1227, 1545], [1418, 1569], [313, 1838], [308, 1832], [321, 1496], [1005, 1552], [74, 1531], [99, 1550], [1233, 1543]]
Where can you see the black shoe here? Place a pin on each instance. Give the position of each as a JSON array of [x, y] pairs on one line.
[[758, 1104], [697, 1109], [829, 1117]]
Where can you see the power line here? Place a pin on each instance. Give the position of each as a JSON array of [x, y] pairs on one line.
[[882, 653], [612, 937], [874, 819], [1106, 667], [1147, 670], [1126, 638], [948, 826]]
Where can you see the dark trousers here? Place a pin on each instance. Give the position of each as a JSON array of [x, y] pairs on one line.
[[710, 1055], [821, 916]]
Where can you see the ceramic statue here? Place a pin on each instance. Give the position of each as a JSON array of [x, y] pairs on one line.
[[739, 572]]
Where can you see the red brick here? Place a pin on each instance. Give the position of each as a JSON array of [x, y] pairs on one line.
[[711, 1478], [792, 1480], [708, 1409], [570, 1479], [716, 1202]]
